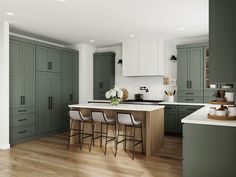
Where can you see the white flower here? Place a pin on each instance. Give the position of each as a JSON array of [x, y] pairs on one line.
[[113, 93], [120, 94], [116, 89], [108, 96]]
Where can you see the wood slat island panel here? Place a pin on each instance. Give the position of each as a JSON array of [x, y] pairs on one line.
[[151, 116]]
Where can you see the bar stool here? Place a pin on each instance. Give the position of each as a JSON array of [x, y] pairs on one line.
[[127, 119], [76, 115], [100, 117]]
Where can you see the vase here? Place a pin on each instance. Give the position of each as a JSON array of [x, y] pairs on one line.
[[114, 102]]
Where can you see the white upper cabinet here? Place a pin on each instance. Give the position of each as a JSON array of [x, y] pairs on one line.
[[143, 58]]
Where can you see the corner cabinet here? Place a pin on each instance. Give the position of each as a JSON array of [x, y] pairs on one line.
[[43, 82], [143, 57], [103, 74], [190, 73]]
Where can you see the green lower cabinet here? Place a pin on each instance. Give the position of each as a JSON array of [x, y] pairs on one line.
[[209, 151], [173, 116]]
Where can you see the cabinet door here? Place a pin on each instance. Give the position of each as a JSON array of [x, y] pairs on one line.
[[182, 71], [181, 116], [131, 64], [54, 117], [42, 57], [16, 91], [148, 57], [196, 68], [28, 56], [99, 74], [55, 59], [42, 101], [65, 118], [171, 119]]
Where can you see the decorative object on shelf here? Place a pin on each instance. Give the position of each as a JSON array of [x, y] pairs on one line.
[[166, 81], [220, 96], [229, 96], [120, 61], [115, 95], [173, 58], [213, 86], [125, 94]]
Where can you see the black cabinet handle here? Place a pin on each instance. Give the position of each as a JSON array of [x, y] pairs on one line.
[[49, 103], [190, 84], [50, 65], [189, 93], [189, 99], [71, 97], [23, 99], [21, 120], [24, 131], [100, 84], [23, 110], [191, 109]]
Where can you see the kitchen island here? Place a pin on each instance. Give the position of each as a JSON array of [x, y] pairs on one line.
[[152, 117], [209, 146]]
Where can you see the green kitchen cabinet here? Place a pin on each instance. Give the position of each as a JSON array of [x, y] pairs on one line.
[[69, 84], [171, 122], [48, 101], [48, 59], [22, 74], [104, 74], [182, 70]]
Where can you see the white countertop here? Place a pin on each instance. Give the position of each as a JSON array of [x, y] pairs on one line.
[[200, 117], [128, 107], [179, 103]]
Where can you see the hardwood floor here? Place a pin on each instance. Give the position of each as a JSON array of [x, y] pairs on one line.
[[49, 157]]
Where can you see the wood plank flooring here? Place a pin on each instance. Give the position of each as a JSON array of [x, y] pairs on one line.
[[49, 157]]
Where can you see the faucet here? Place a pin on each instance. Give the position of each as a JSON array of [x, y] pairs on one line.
[[144, 88]]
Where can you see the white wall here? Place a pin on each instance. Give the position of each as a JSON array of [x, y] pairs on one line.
[[4, 89], [154, 83], [85, 71]]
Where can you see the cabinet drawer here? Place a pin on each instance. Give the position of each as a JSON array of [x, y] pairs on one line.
[[22, 132], [171, 108], [209, 93], [190, 93], [20, 120], [22, 110], [190, 99], [189, 108]]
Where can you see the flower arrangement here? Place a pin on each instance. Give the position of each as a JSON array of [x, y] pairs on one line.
[[115, 95]]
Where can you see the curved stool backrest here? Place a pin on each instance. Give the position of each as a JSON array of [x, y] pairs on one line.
[[75, 115], [99, 116], [125, 118]]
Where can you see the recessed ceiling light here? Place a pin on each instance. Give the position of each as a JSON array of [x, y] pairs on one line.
[[91, 40], [181, 28], [10, 13], [131, 35], [61, 0]]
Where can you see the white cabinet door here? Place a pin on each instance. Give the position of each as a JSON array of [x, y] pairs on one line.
[[131, 65], [148, 57]]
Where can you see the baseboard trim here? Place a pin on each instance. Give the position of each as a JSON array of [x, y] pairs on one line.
[[4, 146]]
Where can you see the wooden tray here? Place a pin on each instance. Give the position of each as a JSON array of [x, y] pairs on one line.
[[221, 102], [221, 117]]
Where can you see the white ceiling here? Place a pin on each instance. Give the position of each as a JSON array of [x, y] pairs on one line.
[[107, 22]]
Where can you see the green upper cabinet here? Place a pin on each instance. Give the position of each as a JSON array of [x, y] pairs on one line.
[[190, 68], [48, 59], [104, 73], [22, 74]]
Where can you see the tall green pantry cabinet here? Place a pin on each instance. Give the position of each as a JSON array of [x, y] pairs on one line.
[[22, 90], [43, 82]]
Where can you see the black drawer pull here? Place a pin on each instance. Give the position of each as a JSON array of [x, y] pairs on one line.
[[21, 120], [189, 93], [191, 109], [22, 110], [24, 131], [189, 99]]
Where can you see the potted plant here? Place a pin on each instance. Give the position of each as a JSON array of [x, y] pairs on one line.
[[115, 95]]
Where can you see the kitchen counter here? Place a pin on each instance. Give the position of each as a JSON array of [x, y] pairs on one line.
[[152, 117], [180, 103], [200, 117], [144, 102], [127, 107]]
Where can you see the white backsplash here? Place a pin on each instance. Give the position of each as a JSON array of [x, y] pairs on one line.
[[156, 92]]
